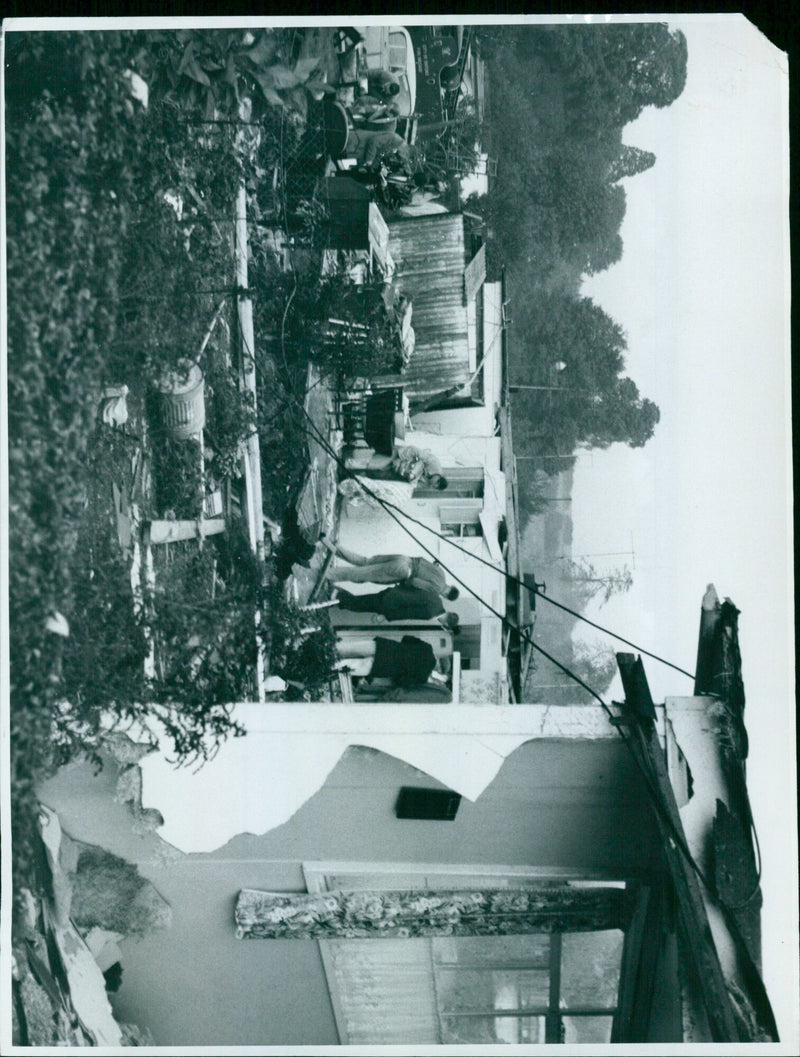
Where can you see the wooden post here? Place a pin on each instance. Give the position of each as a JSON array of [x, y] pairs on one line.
[[252, 457]]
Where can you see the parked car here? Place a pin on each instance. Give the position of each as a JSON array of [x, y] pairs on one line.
[[436, 51], [390, 48]]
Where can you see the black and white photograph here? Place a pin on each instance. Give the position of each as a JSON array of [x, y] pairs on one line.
[[398, 584]]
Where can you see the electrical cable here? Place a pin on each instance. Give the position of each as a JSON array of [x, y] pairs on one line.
[[390, 508], [652, 789]]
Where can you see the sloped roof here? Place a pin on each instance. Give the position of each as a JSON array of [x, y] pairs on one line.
[[430, 258]]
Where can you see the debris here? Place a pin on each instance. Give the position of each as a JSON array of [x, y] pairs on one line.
[[273, 684], [124, 749], [129, 786], [40, 1016], [104, 947], [138, 87], [87, 988], [57, 623], [114, 405], [110, 893]]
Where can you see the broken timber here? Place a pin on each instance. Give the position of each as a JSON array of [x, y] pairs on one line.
[[697, 941]]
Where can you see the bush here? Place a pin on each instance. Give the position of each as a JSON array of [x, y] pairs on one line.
[[110, 893], [119, 251], [177, 478], [69, 187]]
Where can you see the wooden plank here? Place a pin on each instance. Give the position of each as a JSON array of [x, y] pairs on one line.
[[173, 531], [455, 679], [378, 234], [677, 767], [475, 274], [489, 527], [701, 957], [346, 687], [637, 972], [634, 682]]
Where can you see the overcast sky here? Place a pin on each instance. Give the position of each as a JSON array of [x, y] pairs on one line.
[[702, 292]]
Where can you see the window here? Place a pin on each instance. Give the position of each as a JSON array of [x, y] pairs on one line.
[[461, 518], [527, 989], [463, 482], [475, 989], [535, 988], [397, 51], [461, 528], [469, 646]]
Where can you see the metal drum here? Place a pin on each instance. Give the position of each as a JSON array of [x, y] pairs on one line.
[[181, 401]]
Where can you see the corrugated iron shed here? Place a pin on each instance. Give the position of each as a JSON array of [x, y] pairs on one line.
[[429, 253]]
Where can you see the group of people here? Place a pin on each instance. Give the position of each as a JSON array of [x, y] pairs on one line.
[[418, 588], [406, 463], [374, 114]]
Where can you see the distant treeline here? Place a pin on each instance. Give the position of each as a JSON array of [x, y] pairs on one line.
[[559, 98]]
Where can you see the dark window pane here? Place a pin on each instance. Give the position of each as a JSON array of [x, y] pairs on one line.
[[587, 1029], [478, 1030], [590, 964]]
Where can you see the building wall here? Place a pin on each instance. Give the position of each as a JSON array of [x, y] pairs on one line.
[[553, 805]]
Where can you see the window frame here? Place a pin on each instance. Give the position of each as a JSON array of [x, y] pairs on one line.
[[317, 874], [554, 1013]]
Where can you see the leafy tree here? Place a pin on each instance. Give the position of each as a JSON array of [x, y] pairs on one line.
[[69, 126], [620, 415], [591, 583], [651, 59], [615, 71], [602, 255], [630, 162], [575, 332], [102, 282], [595, 662]]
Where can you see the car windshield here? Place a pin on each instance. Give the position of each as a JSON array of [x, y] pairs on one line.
[[397, 50], [403, 98]]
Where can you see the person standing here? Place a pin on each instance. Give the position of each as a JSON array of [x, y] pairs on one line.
[[409, 662]]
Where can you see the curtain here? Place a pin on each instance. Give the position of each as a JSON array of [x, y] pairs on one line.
[[399, 915], [382, 992]]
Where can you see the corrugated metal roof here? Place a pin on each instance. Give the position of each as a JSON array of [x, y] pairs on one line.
[[475, 274], [429, 254]]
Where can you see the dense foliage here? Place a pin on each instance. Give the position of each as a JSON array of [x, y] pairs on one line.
[[119, 214], [69, 187], [574, 356]]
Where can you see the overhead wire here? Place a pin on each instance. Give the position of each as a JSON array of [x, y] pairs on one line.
[[653, 792], [393, 511]]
